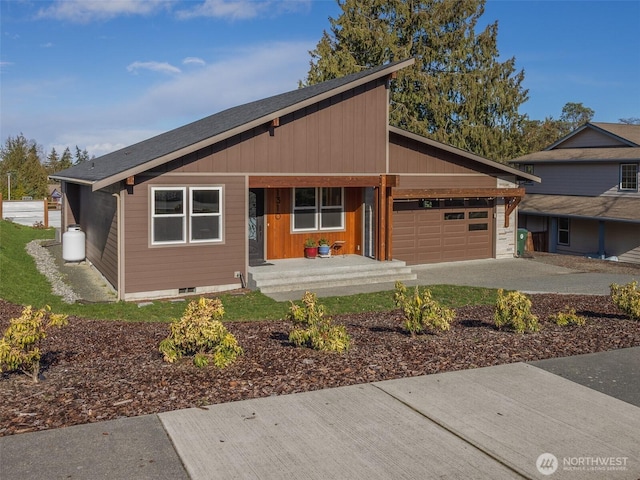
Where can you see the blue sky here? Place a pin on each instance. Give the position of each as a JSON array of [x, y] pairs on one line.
[[103, 74]]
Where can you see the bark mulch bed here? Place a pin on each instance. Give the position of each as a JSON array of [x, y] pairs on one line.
[[102, 370]]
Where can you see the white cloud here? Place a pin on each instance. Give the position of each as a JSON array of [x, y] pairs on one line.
[[162, 67], [83, 11], [243, 9], [248, 74], [47, 45], [194, 61], [233, 9]]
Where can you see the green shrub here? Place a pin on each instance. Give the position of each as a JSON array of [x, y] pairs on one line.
[[313, 329], [627, 298], [568, 317], [421, 310], [200, 333], [19, 346], [513, 310]]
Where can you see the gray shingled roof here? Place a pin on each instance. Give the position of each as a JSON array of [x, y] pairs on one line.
[[133, 157], [628, 132], [620, 209], [580, 155]]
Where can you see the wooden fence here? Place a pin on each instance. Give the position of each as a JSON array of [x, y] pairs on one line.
[[31, 212]]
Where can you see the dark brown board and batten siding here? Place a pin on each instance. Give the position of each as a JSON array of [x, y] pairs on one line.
[[343, 135]]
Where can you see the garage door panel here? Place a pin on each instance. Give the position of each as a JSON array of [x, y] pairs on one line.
[[425, 236]]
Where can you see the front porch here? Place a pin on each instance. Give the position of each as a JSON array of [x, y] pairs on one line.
[[301, 274]]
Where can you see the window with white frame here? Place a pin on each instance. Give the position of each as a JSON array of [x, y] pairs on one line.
[[205, 219], [174, 212], [563, 231], [629, 176], [168, 215], [319, 208]]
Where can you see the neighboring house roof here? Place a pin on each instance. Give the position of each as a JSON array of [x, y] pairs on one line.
[[628, 136], [463, 153], [564, 155], [619, 209], [628, 132], [618, 132], [150, 153]]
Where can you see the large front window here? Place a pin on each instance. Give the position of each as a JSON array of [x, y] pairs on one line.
[[318, 209], [629, 177], [186, 215]]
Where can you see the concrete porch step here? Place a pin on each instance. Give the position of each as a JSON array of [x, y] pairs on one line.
[[307, 274]]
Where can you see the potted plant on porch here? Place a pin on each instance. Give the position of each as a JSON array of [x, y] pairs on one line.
[[324, 248], [310, 248]]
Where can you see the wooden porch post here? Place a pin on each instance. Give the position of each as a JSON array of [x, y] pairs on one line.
[[46, 213], [389, 216], [381, 247]]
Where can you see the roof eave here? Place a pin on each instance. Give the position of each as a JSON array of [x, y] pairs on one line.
[[464, 153], [248, 126], [73, 180]]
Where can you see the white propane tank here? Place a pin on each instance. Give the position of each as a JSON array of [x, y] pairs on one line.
[[73, 241]]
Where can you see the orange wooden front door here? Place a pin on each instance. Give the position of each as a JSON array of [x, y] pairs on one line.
[[282, 242]]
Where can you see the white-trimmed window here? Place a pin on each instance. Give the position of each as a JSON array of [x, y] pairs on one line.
[[205, 219], [318, 209], [168, 215], [629, 177], [178, 210], [564, 226]]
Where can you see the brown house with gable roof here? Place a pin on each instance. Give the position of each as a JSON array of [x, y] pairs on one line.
[[188, 209]]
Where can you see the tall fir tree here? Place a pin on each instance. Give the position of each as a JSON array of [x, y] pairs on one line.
[[457, 92], [66, 160], [53, 161]]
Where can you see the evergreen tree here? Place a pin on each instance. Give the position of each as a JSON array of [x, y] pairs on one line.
[[66, 160], [81, 155], [456, 92], [53, 162], [20, 159]]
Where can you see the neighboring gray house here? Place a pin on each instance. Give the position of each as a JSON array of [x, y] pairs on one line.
[[588, 202]]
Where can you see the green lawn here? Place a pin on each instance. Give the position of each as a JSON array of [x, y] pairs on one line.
[[21, 283]]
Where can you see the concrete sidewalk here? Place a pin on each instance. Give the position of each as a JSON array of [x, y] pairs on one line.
[[494, 422]]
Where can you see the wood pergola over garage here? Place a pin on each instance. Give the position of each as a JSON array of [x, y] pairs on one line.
[[449, 204]]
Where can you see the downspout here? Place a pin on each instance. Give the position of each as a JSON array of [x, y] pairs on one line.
[[120, 261]]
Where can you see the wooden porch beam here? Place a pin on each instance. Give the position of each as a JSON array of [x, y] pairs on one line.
[[445, 193], [279, 181]]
